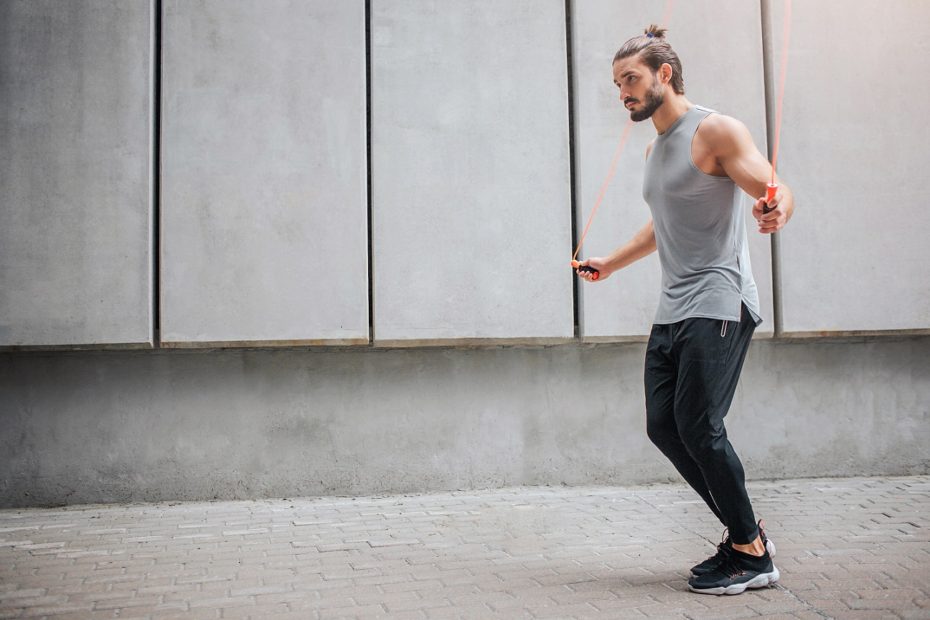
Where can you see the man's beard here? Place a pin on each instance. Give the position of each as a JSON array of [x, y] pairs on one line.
[[654, 98]]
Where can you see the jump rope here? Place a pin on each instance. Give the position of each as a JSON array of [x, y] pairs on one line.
[[770, 189]]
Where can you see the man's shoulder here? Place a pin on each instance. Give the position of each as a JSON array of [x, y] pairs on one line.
[[721, 125], [721, 131]]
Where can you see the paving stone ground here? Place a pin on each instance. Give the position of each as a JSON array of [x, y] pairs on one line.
[[847, 548]]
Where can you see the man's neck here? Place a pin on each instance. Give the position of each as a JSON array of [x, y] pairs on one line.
[[670, 111]]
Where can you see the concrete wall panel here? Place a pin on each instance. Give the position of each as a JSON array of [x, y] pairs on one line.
[[264, 193], [75, 172], [719, 44], [854, 258], [129, 426], [470, 171]]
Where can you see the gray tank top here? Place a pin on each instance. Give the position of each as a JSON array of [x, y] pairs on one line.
[[700, 231]]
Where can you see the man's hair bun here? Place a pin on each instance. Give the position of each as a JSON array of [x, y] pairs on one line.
[[653, 31]]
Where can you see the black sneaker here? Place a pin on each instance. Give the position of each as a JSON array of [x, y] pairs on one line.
[[723, 550], [737, 573]]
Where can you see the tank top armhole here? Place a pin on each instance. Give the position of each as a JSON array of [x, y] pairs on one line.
[[697, 128]]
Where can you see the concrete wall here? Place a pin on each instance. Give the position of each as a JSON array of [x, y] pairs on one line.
[[856, 257], [265, 240], [264, 184], [75, 172], [264, 207], [120, 426], [471, 197]]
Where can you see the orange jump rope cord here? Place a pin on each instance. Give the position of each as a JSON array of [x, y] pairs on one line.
[[666, 16], [667, 13], [610, 176], [783, 71]]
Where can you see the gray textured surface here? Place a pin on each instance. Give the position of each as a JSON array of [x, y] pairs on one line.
[[75, 165], [264, 191], [264, 208], [855, 257], [87, 427], [847, 549], [470, 170], [725, 75]]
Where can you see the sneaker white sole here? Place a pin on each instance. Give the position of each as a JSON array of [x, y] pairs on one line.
[[759, 581]]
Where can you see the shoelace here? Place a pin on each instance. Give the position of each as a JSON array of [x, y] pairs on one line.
[[723, 553], [730, 567], [723, 549]]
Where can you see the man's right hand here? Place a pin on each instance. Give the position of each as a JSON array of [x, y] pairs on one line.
[[595, 262]]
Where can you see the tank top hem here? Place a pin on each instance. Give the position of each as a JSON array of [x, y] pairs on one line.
[[753, 313]]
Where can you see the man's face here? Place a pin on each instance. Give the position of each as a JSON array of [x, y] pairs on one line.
[[641, 92]]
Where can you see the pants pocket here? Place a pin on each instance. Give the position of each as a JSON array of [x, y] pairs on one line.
[[706, 340]]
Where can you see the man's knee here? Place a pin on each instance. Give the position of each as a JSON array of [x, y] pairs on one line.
[[661, 432], [705, 445]]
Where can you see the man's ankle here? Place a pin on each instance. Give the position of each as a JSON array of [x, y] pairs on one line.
[[755, 548]]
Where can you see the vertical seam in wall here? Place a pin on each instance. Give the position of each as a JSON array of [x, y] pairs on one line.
[[371, 272], [768, 73], [576, 305], [155, 222]]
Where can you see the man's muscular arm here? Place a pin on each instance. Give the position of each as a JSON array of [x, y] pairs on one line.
[[731, 144]]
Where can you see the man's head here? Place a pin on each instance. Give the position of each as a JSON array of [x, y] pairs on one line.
[[644, 68]]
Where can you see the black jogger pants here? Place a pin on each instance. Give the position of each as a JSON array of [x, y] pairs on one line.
[[692, 368]]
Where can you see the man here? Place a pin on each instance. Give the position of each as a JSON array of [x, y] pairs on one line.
[[709, 305]]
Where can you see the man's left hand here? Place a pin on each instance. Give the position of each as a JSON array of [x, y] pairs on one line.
[[775, 219]]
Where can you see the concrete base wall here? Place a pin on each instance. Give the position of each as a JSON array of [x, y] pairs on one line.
[[157, 425]]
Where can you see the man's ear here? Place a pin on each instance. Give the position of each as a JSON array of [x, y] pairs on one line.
[[665, 73]]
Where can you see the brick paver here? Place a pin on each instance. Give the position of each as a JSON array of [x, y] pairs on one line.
[[847, 548]]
